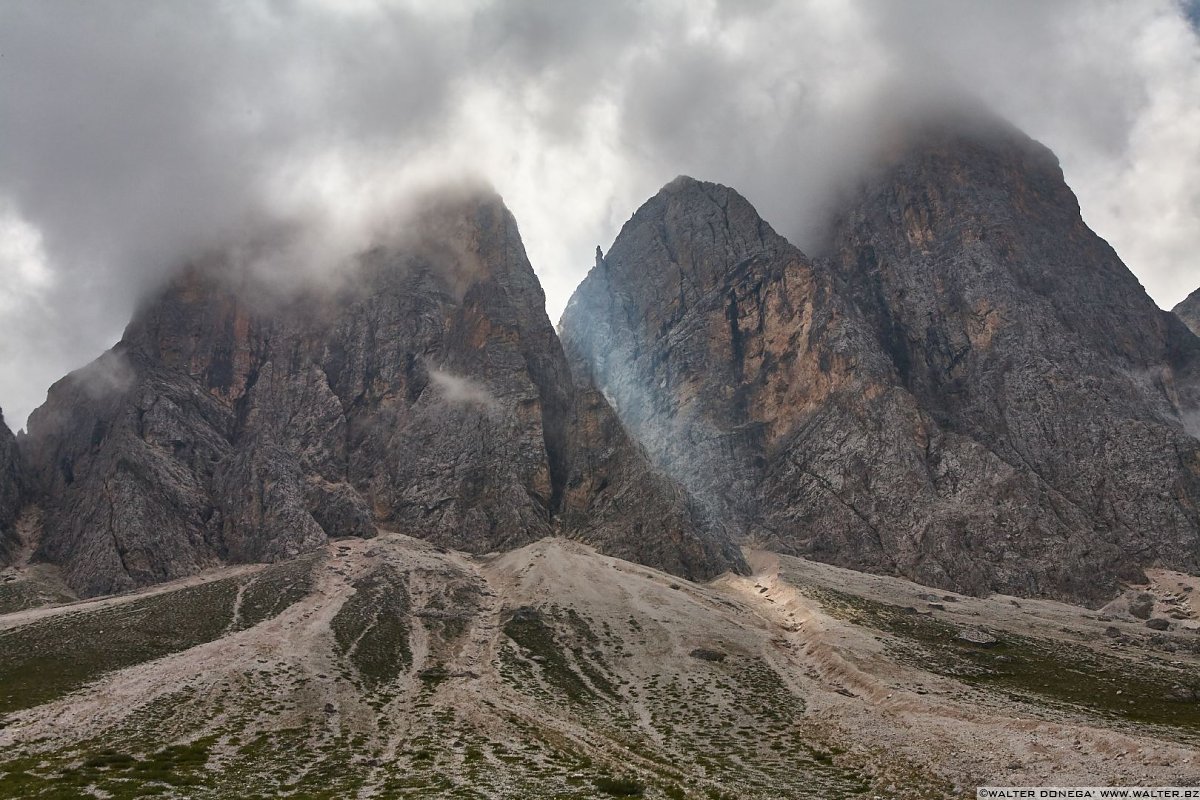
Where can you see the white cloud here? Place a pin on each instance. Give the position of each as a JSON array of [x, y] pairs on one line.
[[24, 273], [136, 138], [461, 390], [1146, 200]]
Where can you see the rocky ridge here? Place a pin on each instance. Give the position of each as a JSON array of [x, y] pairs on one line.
[[1188, 310], [742, 367], [1015, 325], [860, 402], [966, 388], [429, 393]]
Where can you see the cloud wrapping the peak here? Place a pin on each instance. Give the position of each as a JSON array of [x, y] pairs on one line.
[[136, 137]]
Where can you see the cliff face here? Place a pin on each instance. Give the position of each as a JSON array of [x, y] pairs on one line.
[[970, 390], [10, 492], [1189, 311], [1015, 325], [753, 380], [428, 394]]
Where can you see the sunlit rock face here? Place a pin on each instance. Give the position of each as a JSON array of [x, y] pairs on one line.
[[1189, 311], [425, 392], [967, 387]]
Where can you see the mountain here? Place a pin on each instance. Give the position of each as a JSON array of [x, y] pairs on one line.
[[10, 492], [1015, 325], [1188, 310], [751, 378], [967, 389], [385, 534], [428, 392]]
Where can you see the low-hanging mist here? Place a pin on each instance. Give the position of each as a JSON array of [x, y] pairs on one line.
[[135, 139]]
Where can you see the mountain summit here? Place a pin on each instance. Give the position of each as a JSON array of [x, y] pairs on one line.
[[1015, 325], [428, 393], [968, 388]]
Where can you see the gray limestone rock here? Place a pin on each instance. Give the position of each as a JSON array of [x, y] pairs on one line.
[[968, 389], [1188, 310], [1017, 327], [10, 492], [428, 393], [750, 379]]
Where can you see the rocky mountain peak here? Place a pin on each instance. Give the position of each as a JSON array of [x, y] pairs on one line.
[[945, 393], [982, 217], [975, 228], [699, 228], [425, 392], [1015, 325]]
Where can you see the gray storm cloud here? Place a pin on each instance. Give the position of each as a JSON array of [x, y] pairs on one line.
[[135, 137]]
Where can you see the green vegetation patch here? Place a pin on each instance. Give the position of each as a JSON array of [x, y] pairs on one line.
[[534, 633], [371, 628], [737, 724], [619, 787], [114, 773], [1058, 674], [276, 588], [22, 593], [47, 659]]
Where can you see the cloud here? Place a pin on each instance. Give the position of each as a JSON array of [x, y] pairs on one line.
[[109, 374], [136, 138], [461, 390]]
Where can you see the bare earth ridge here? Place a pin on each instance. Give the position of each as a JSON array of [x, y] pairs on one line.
[[392, 668]]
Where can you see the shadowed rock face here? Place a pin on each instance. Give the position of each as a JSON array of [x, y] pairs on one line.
[[971, 390], [10, 492], [1189, 311], [428, 394]]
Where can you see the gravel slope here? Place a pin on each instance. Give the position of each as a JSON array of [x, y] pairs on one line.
[[392, 668]]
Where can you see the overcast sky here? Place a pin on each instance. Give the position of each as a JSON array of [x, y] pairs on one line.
[[135, 135]]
